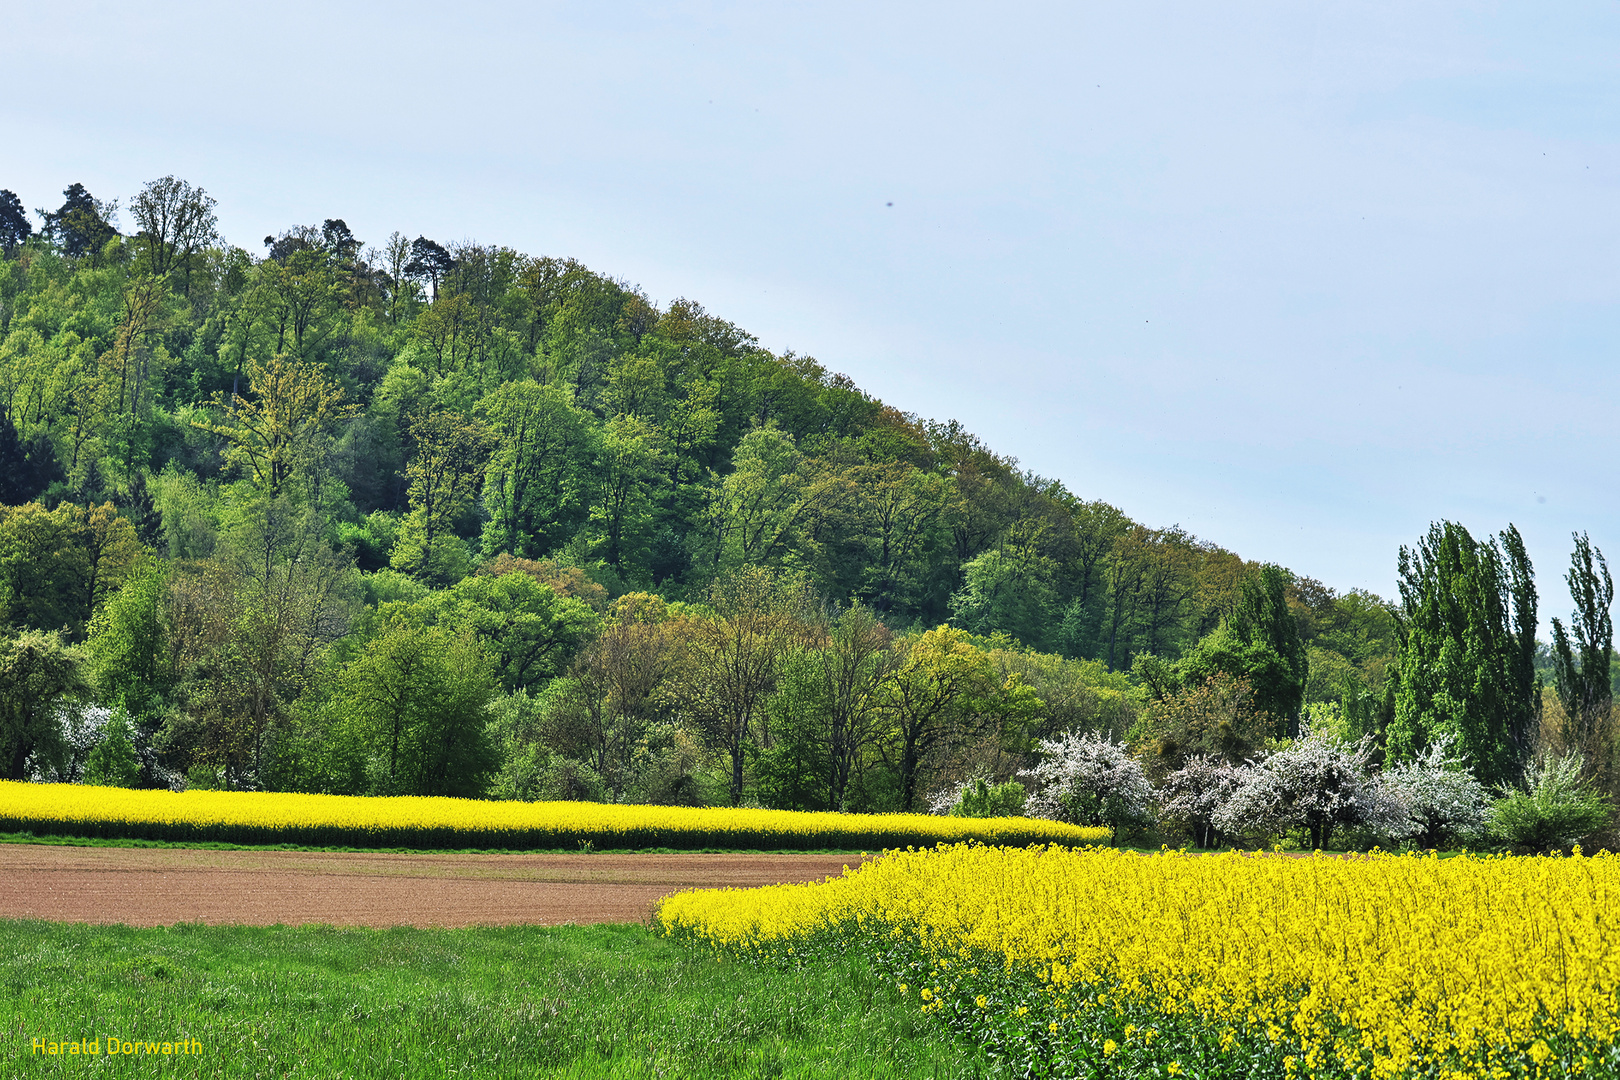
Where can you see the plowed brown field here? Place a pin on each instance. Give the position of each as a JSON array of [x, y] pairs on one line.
[[158, 886]]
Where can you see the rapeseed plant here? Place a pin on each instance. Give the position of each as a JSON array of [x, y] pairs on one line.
[[1099, 962], [356, 821]]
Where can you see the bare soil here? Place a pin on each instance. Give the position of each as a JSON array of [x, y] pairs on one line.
[[159, 886]]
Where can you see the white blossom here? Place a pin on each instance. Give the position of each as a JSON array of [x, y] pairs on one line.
[[1190, 796], [1318, 784], [1441, 800], [1089, 780]]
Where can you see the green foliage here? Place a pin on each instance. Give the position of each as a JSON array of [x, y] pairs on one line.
[[537, 487], [1258, 645], [1010, 591], [1274, 683], [408, 715], [1582, 681], [501, 444], [981, 799], [1217, 718], [443, 481], [1466, 662], [530, 631], [1075, 695], [112, 762], [1551, 809], [827, 713], [57, 567], [39, 675], [129, 645]]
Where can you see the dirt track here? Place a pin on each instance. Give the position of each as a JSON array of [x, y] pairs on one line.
[[157, 886]]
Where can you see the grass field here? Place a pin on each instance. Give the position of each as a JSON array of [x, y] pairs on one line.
[[595, 1001]]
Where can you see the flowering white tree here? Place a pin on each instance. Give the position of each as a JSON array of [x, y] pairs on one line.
[[1440, 800], [1089, 780], [1317, 784], [1189, 797]]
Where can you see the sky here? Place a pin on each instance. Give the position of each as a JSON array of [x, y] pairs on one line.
[[1301, 279]]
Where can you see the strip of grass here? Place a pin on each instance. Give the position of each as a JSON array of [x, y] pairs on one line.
[[597, 1001]]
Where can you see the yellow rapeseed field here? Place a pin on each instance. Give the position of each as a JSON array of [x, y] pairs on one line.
[[342, 820], [1241, 965]]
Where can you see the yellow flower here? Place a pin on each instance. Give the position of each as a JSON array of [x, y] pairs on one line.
[[408, 821], [1382, 966]]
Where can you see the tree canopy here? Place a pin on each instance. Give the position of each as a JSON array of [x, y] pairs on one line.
[[453, 517]]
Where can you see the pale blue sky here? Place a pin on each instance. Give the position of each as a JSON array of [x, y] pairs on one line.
[[1301, 280]]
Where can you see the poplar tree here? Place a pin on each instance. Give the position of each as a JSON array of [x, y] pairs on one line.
[[1467, 650], [1581, 670]]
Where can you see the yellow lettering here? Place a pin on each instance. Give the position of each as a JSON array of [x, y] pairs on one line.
[[168, 1048], [95, 1047], [112, 1045], [39, 1047], [151, 1048]]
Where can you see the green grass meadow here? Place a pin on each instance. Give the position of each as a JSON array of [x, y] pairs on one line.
[[593, 1001]]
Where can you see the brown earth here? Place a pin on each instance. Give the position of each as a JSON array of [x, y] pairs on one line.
[[158, 886]]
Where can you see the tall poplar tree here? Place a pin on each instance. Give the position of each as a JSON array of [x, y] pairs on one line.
[[1581, 671], [1467, 650]]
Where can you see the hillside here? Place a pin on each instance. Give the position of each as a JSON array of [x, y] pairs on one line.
[[264, 491]]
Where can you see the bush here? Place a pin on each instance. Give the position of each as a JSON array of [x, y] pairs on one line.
[[112, 763], [1090, 780], [563, 779], [1553, 808], [205, 778], [976, 797]]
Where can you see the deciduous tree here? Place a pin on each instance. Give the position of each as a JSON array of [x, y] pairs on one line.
[[415, 700], [278, 430], [176, 222], [940, 688], [1466, 662], [444, 473], [39, 674], [732, 658], [1581, 671]]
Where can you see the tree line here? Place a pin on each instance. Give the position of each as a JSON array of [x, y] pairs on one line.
[[449, 518]]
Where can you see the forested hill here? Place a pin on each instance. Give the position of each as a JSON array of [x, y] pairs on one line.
[[369, 427]]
